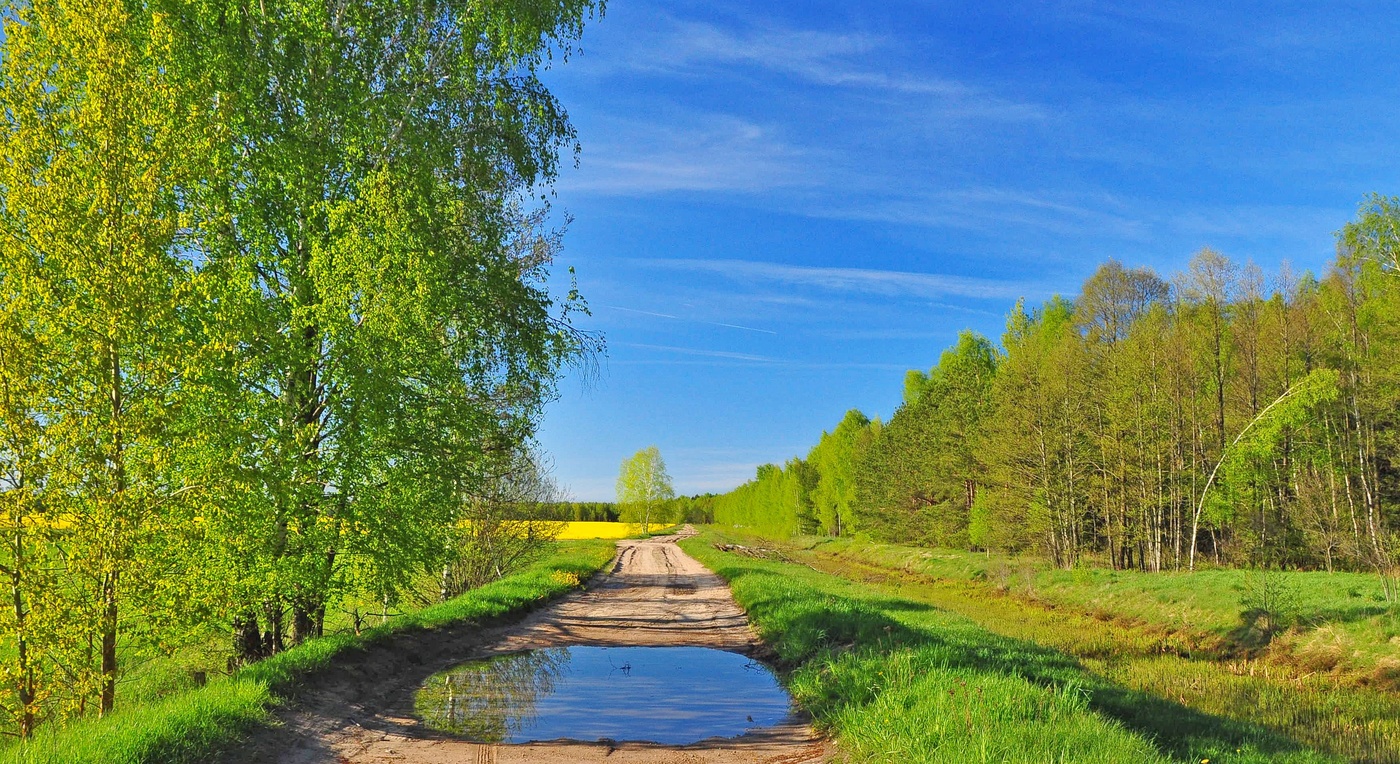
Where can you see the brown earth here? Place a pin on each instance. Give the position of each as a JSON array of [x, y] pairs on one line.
[[361, 711]]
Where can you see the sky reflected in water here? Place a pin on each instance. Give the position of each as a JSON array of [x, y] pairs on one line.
[[670, 695]]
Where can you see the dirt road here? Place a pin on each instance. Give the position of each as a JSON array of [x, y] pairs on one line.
[[361, 712]]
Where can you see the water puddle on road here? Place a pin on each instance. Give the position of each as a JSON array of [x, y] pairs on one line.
[[669, 695]]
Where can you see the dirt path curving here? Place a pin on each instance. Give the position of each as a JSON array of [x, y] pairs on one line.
[[361, 711]]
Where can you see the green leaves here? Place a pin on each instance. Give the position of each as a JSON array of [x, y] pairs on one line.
[[273, 308], [919, 477], [643, 487], [834, 458], [101, 148], [1146, 424]]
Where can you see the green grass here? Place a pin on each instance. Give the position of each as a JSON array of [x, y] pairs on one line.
[[897, 679], [1337, 623], [190, 726], [147, 676]]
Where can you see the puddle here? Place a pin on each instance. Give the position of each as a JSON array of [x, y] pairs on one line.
[[669, 695]]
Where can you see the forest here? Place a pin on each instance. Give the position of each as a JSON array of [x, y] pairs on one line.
[[275, 321], [1220, 416]]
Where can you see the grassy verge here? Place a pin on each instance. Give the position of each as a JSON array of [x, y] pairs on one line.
[[190, 726], [1337, 623], [1316, 708], [898, 680]]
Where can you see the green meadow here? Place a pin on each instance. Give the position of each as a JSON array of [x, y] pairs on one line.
[[1335, 623], [903, 664]]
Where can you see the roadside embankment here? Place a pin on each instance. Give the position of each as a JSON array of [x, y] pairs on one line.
[[898, 678], [193, 726], [1104, 619], [1341, 623]]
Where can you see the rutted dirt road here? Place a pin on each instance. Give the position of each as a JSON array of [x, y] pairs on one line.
[[361, 711]]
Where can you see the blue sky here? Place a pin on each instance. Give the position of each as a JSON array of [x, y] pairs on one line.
[[780, 207]]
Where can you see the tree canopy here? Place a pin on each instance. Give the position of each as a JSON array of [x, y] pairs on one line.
[[643, 487], [1219, 415], [274, 314]]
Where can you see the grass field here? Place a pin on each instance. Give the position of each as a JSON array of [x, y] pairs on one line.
[[1135, 674], [1334, 623], [189, 726]]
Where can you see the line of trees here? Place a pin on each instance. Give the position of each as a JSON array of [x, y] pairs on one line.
[[682, 509], [578, 511], [272, 313], [1147, 423]]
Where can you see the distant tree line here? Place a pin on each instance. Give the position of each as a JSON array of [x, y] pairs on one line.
[[681, 509], [698, 509], [576, 511], [274, 323], [1221, 415]]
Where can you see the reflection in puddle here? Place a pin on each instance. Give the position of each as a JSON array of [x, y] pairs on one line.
[[671, 695]]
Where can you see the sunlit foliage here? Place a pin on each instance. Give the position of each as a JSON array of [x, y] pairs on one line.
[[1223, 415], [273, 315]]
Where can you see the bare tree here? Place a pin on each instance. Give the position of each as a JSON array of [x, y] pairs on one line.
[[501, 529]]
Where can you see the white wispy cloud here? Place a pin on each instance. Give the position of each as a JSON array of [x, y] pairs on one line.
[[662, 148], [1277, 35], [693, 152], [818, 57], [777, 365], [991, 209], [724, 354], [965, 309], [689, 320], [857, 280], [1196, 226], [862, 335], [724, 154]]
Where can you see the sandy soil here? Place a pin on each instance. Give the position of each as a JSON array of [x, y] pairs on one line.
[[361, 711]]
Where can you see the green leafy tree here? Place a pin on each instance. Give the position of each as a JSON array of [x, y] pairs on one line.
[[273, 308], [1036, 446], [1359, 302], [643, 487], [390, 331], [920, 478], [1111, 306], [104, 146], [834, 458], [32, 618]]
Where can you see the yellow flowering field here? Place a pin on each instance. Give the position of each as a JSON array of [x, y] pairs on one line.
[[578, 530]]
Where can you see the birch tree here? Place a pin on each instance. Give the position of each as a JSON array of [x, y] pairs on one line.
[[393, 329], [834, 458], [643, 486], [102, 144]]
